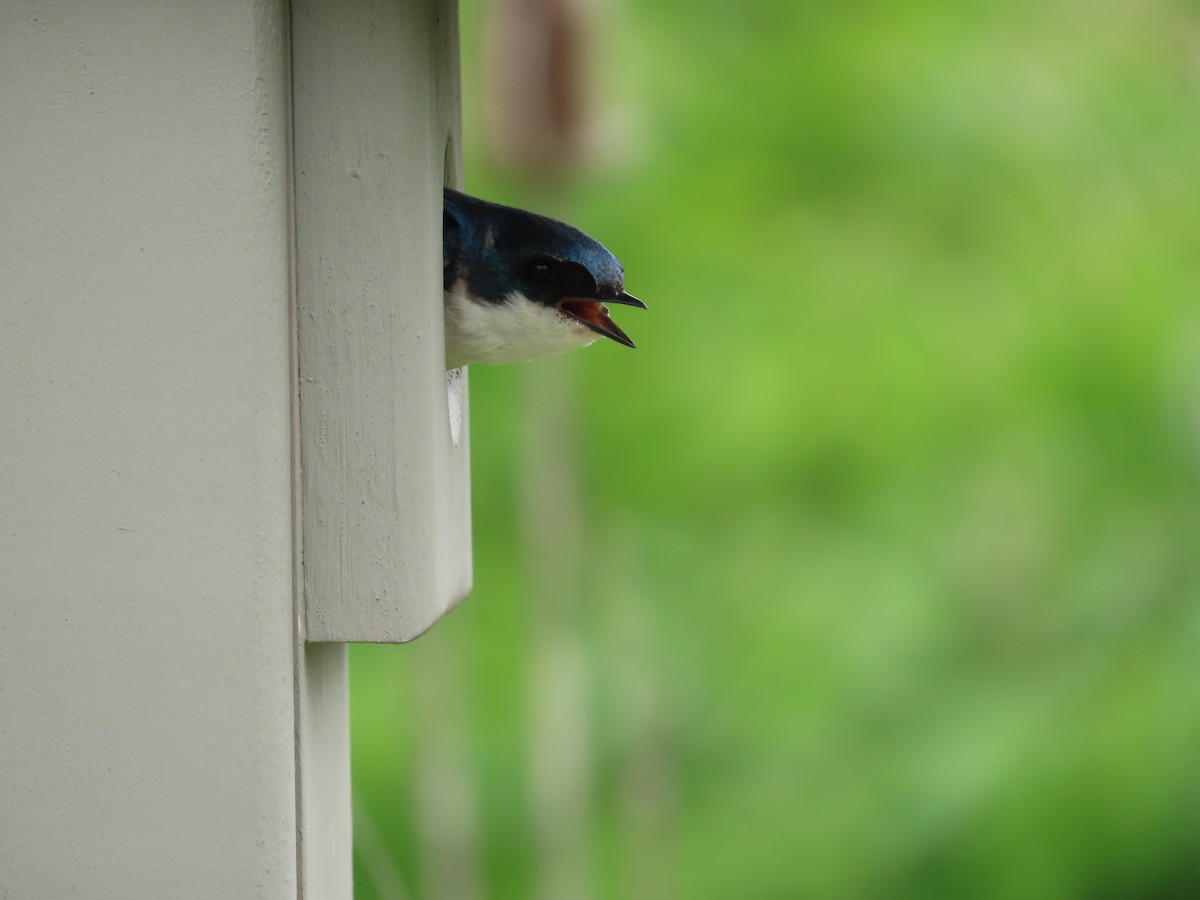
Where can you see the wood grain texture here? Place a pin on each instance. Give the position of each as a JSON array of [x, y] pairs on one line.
[[385, 482]]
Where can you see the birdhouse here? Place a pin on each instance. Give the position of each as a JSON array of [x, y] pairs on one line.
[[383, 429], [230, 444]]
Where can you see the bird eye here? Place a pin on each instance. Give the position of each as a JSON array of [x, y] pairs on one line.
[[538, 270]]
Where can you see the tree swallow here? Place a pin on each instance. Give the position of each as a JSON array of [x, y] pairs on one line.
[[520, 286]]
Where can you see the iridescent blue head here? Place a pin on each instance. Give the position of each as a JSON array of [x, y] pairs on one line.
[[520, 286]]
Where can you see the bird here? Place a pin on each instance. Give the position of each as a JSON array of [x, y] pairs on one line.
[[521, 286]]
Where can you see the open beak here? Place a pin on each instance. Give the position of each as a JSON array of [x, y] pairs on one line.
[[594, 315]]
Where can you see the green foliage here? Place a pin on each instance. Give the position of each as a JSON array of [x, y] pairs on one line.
[[890, 524]]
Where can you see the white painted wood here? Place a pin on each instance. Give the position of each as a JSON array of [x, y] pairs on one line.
[[147, 625], [165, 729], [323, 772], [385, 470]]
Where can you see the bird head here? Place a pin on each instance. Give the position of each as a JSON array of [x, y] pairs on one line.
[[520, 286]]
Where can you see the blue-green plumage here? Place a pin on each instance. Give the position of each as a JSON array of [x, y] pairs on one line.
[[519, 285]]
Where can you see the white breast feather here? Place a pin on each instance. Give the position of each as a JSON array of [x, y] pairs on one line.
[[513, 331]]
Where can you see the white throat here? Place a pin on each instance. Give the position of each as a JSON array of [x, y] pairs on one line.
[[514, 330]]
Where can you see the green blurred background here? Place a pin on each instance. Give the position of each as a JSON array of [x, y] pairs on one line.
[[873, 573]]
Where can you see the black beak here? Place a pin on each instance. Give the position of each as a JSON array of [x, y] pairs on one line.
[[626, 300]]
